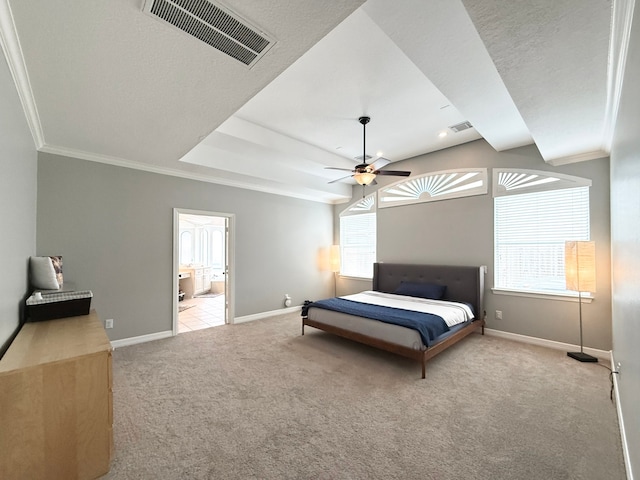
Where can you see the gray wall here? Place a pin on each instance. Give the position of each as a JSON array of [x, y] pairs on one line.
[[460, 232], [113, 226], [17, 204], [625, 236]]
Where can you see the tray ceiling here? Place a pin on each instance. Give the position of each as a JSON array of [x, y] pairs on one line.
[[107, 82]]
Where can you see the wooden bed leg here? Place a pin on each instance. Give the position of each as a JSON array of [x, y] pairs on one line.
[[424, 366], [302, 327]]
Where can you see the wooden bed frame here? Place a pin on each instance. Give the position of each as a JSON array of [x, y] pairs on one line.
[[464, 284]]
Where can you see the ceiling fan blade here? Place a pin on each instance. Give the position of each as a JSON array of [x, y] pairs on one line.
[[340, 179], [397, 173], [338, 168], [380, 162]]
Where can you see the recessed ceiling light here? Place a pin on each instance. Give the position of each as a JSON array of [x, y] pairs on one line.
[[442, 134], [379, 154]]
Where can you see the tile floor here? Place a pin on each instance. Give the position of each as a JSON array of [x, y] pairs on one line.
[[204, 312]]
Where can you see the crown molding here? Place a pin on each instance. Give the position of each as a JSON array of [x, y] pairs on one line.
[[120, 162], [579, 157], [13, 53], [621, 21]]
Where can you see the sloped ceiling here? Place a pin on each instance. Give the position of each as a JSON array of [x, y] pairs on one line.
[[107, 82]]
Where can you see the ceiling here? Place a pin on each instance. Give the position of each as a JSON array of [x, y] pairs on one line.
[[107, 82]]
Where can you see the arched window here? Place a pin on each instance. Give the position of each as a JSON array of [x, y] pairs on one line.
[[205, 247], [535, 212], [217, 249], [358, 238], [186, 247], [434, 186]]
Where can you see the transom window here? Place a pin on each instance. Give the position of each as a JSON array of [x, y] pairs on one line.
[[534, 214], [434, 186], [358, 238]]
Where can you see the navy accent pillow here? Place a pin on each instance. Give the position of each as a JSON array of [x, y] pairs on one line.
[[422, 290]]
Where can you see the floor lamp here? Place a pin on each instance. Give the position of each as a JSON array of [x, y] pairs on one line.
[[334, 263], [580, 275]]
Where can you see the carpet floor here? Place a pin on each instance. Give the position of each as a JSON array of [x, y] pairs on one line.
[[258, 400]]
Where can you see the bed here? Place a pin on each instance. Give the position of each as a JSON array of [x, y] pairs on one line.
[[464, 285]]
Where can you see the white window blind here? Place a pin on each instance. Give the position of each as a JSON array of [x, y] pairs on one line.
[[358, 245], [530, 230]]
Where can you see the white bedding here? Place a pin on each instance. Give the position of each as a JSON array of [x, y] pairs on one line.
[[453, 313]]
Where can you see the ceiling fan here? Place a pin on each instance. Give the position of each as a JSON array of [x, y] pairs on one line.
[[365, 173]]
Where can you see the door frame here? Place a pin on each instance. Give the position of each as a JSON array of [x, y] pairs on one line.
[[229, 280]]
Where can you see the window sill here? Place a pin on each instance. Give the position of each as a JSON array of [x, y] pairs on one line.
[[363, 279], [563, 297]]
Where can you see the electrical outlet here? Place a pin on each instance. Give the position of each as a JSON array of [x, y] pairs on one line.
[[498, 314], [618, 367], [108, 323]]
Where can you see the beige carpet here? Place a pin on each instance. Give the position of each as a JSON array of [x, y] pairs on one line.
[[257, 400]]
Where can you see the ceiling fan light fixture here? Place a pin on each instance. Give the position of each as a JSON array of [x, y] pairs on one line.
[[365, 173], [364, 178]]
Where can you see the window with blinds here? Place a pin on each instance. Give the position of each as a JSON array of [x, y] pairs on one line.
[[358, 239], [530, 230]]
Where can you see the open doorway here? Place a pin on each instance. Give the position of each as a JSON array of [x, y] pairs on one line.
[[202, 270]]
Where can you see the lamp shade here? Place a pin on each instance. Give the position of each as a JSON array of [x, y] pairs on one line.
[[334, 258], [580, 266]]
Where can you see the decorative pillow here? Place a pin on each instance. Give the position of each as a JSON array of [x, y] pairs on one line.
[[57, 267], [43, 274], [421, 290]]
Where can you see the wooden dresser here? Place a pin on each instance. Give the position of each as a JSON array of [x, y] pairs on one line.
[[56, 405]]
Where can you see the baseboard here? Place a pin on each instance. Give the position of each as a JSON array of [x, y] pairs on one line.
[[623, 435], [272, 313], [542, 342], [160, 335], [141, 339]]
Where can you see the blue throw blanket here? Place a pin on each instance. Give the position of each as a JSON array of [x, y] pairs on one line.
[[429, 326]]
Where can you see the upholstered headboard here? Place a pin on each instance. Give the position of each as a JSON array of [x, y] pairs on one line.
[[464, 284]]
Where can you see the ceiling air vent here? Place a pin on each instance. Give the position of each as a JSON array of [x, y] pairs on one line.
[[460, 127], [215, 25]]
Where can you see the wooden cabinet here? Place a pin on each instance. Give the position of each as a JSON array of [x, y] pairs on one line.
[[202, 280], [185, 283], [56, 405], [199, 280], [207, 280], [196, 280]]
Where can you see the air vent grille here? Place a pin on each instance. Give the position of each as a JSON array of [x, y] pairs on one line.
[[461, 126], [215, 25]]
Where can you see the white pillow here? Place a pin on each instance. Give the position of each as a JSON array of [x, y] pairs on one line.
[[43, 275]]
